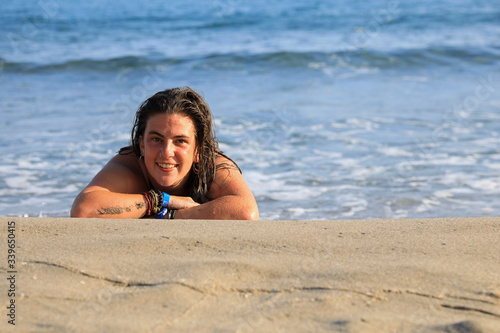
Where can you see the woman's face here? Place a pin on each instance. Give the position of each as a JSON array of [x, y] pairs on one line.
[[169, 150]]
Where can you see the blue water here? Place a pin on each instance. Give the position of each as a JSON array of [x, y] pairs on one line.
[[333, 109]]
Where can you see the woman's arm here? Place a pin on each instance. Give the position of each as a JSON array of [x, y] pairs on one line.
[[231, 198], [116, 192], [99, 202], [113, 193]]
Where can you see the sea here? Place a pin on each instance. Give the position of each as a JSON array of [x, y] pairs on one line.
[[333, 109]]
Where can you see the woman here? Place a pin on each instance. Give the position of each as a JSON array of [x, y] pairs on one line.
[[172, 169]]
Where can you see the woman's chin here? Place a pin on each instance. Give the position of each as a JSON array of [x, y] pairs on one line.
[[169, 186], [166, 185]]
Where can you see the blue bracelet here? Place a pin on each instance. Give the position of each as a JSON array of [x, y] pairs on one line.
[[166, 213], [162, 214], [166, 199]]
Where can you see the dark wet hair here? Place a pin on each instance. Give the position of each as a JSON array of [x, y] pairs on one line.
[[187, 102]]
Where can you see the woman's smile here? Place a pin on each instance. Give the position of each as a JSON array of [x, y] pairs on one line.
[[166, 166]]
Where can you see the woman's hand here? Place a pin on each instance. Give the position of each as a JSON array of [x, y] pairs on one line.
[[177, 202]]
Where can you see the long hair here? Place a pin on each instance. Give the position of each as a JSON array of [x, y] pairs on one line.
[[187, 102]]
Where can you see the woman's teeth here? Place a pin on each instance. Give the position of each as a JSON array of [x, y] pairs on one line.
[[166, 166]]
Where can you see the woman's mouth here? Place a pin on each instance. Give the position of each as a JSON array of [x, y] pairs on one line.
[[166, 166]]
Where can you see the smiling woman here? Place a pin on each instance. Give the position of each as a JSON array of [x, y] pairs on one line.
[[173, 168]]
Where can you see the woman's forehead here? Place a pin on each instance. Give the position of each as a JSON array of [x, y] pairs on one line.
[[167, 123]]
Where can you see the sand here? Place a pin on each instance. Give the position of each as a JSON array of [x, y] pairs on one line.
[[90, 275]]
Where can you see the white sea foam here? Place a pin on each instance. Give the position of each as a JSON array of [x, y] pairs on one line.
[[354, 208], [19, 181], [37, 188], [261, 184], [486, 142], [426, 160], [450, 193], [347, 163], [489, 185], [338, 188], [296, 193], [415, 78], [427, 204], [394, 151], [364, 172], [351, 204], [300, 213], [397, 214], [362, 123], [495, 166], [328, 154], [487, 210]]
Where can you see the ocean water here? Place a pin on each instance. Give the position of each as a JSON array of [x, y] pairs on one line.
[[333, 109]]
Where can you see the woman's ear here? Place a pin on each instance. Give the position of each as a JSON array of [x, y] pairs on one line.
[[141, 144], [196, 158]]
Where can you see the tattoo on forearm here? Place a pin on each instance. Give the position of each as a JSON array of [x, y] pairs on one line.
[[110, 210], [119, 210]]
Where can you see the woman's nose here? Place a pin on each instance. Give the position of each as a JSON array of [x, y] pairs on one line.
[[168, 149]]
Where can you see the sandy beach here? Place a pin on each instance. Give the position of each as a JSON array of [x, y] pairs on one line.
[[90, 275]]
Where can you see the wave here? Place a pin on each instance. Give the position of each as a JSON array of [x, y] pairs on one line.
[[97, 65], [352, 59]]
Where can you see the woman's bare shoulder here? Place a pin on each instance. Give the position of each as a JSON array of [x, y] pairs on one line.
[[224, 162], [125, 160], [121, 174], [228, 179]]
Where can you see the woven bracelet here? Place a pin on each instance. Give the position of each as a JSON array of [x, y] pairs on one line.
[[157, 200], [148, 200]]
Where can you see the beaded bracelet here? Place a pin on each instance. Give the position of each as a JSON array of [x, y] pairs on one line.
[[156, 200]]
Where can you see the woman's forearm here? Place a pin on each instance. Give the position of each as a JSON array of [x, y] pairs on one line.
[[230, 207], [106, 204]]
